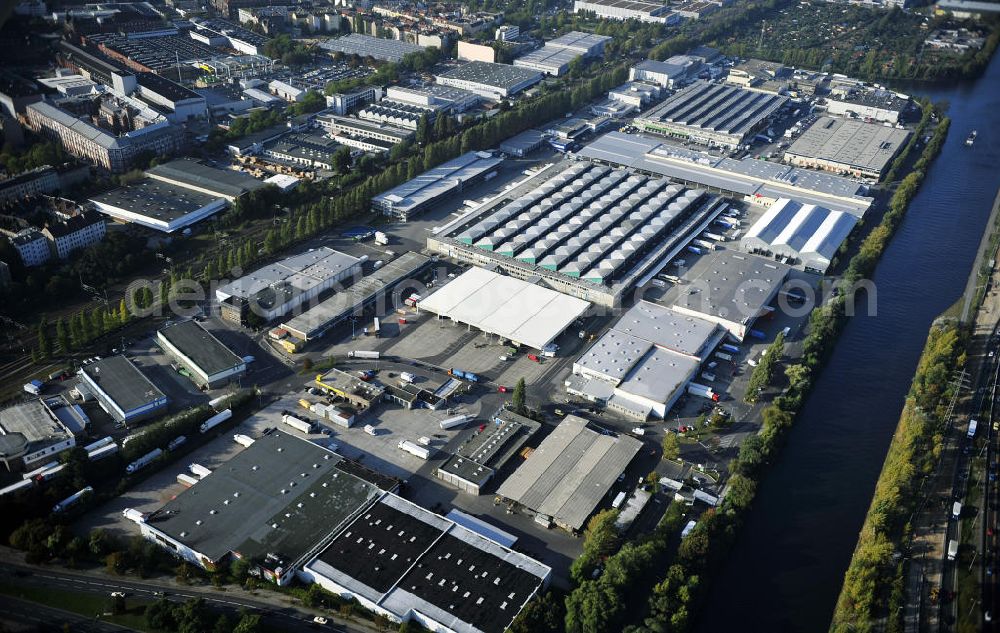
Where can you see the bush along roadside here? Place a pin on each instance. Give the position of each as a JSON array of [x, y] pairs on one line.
[[675, 600]]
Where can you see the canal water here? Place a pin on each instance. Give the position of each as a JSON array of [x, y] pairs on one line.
[[786, 568]]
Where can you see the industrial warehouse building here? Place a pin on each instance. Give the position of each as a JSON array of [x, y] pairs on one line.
[[490, 81], [588, 231], [523, 144], [175, 195], [556, 55], [507, 307], [279, 288], [641, 10], [565, 479], [414, 196], [847, 146], [367, 46], [122, 390], [210, 363], [801, 234], [31, 434], [316, 321], [712, 114], [756, 182], [407, 563], [731, 289], [644, 362], [273, 504], [486, 450]]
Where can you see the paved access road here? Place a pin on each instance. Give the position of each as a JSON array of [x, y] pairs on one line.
[[273, 607]]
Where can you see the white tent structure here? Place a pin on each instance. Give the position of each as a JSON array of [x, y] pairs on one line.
[[807, 234], [513, 309]]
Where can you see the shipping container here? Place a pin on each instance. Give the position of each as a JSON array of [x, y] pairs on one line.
[[186, 480], [199, 470], [176, 442], [93, 446], [216, 420], [38, 471], [451, 423], [414, 449], [298, 423], [102, 452], [14, 487]]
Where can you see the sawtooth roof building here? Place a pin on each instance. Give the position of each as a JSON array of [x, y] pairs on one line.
[[414, 196], [756, 182], [586, 230], [712, 114], [407, 563], [800, 234], [565, 479], [848, 147], [644, 362]]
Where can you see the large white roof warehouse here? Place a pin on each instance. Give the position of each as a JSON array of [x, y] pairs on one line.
[[807, 234], [510, 308]]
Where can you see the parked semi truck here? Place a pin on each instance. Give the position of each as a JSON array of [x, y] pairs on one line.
[[705, 244], [973, 425], [243, 440], [93, 446], [414, 449], [297, 423], [144, 461], [714, 236], [215, 420], [728, 347], [723, 356], [177, 442], [72, 500], [703, 391], [38, 471], [358, 353], [199, 470], [467, 375]]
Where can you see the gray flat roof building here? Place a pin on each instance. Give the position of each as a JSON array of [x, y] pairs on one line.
[[404, 562], [210, 362], [712, 114], [32, 434], [648, 356], [413, 196], [731, 289], [570, 472], [275, 503], [196, 176], [276, 289], [122, 390], [493, 81], [368, 46], [158, 205], [549, 60], [524, 143], [586, 230], [847, 146], [754, 181], [486, 450], [315, 322]]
